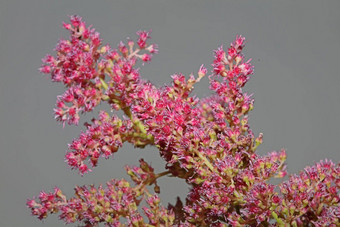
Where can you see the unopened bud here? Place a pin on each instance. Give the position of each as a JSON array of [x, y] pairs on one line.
[[157, 189], [238, 59], [202, 72]]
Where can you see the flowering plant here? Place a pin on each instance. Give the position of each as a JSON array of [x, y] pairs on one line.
[[207, 142]]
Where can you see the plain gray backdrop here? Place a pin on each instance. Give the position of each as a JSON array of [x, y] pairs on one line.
[[294, 45]]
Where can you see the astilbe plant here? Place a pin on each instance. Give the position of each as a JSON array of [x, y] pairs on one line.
[[207, 142]]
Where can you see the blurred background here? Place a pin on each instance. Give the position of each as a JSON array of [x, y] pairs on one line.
[[294, 46]]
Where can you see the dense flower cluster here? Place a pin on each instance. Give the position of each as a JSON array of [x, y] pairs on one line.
[[207, 142], [110, 204], [312, 196]]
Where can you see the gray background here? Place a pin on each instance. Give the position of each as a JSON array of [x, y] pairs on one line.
[[295, 50]]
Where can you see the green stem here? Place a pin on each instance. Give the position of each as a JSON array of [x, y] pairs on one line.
[[205, 160], [128, 112], [278, 220], [162, 174], [136, 122], [105, 86]]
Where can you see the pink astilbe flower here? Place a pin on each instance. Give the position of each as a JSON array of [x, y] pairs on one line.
[[144, 173], [47, 203], [108, 204], [312, 196], [81, 100], [143, 36], [76, 57], [207, 142], [215, 195], [92, 205], [259, 203], [75, 66], [158, 216], [103, 138], [119, 67], [79, 67]]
